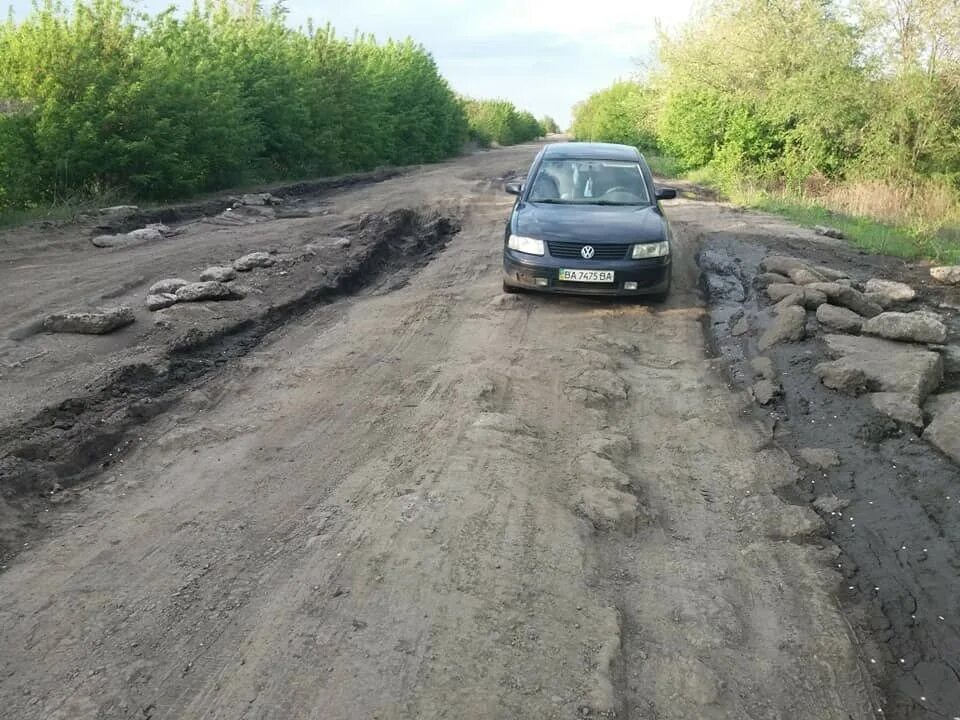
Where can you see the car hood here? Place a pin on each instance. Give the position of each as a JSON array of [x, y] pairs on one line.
[[595, 224]]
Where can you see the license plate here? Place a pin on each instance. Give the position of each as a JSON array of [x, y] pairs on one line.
[[597, 276]]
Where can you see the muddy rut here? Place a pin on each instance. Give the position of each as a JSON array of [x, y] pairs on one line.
[[430, 500]]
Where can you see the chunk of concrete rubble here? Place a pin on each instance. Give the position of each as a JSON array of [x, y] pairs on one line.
[[829, 504], [951, 357], [766, 391], [343, 243], [218, 273], [778, 291], [943, 432], [831, 289], [167, 285], [853, 299], [806, 298], [150, 233], [918, 327], [839, 318], [82, 322], [159, 301], [255, 199], [209, 290], [878, 299], [781, 264], [769, 278], [822, 458], [763, 367], [829, 232], [740, 327], [948, 274], [805, 276], [831, 273], [253, 260], [843, 376], [609, 509], [892, 290], [788, 326], [886, 365], [902, 407]]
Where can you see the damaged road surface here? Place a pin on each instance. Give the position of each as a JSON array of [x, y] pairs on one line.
[[431, 500]]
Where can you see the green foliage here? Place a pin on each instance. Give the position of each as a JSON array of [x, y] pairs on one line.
[[623, 113], [549, 125], [499, 121], [99, 98]]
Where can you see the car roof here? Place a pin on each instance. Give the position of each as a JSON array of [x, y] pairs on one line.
[[590, 151]]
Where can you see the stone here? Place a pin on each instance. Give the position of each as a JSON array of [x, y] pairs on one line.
[[889, 366], [778, 291], [252, 260], [768, 278], [891, 290], [943, 432], [168, 285], [765, 391], [829, 504], [159, 301], [843, 376], [948, 274], [781, 264], [853, 299], [831, 273], [342, 243], [830, 289], [839, 318], [98, 322], [828, 232], [150, 233], [951, 357], [218, 273], [255, 199], [878, 299], [788, 326], [920, 327], [198, 291], [741, 327], [822, 458], [902, 407], [805, 276], [763, 367]]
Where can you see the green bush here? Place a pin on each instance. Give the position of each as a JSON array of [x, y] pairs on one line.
[[623, 113], [499, 121]]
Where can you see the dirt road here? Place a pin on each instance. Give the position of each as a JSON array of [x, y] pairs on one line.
[[429, 500]]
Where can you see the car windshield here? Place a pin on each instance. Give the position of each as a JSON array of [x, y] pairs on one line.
[[589, 182]]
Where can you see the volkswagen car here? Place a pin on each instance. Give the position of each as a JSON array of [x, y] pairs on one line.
[[588, 220]]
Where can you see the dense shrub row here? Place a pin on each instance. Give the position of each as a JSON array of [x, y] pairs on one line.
[[98, 98], [499, 121], [802, 95]]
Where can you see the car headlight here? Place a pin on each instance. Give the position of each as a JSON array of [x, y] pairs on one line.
[[650, 250], [530, 246]]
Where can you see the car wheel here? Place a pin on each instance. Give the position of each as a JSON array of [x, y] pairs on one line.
[[511, 289]]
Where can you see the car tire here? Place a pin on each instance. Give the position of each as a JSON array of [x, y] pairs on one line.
[[511, 289]]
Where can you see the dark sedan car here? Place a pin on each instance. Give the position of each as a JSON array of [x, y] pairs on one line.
[[588, 221]]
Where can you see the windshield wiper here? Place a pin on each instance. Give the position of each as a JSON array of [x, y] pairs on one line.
[[550, 201], [611, 202]]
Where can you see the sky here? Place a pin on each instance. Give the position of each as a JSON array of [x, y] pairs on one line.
[[542, 55]]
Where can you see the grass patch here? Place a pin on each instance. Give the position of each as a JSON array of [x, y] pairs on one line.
[[663, 166]]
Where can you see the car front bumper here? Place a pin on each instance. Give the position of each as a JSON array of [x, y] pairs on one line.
[[652, 276]]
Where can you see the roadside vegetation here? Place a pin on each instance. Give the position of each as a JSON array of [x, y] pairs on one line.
[[100, 101], [830, 112], [500, 122]]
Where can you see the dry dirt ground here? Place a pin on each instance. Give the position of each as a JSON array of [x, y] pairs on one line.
[[410, 497]]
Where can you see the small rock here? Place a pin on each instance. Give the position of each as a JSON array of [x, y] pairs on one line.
[[158, 301], [830, 504], [854, 300], [902, 407], [842, 376], [505, 300], [765, 391], [218, 273], [342, 243], [81, 322], [805, 276], [253, 260], [828, 232], [781, 264], [741, 327], [822, 458], [920, 327], [891, 290], [830, 289], [948, 274], [151, 233], [768, 278], [789, 326], [169, 285], [763, 367], [839, 318], [778, 291], [944, 430], [831, 273], [254, 199], [196, 292]]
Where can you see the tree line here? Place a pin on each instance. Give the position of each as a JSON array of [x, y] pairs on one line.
[[815, 97], [101, 98]]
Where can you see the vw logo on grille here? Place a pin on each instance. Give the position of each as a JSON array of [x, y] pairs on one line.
[[587, 251]]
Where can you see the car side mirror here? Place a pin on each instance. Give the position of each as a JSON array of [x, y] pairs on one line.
[[666, 193], [514, 188]]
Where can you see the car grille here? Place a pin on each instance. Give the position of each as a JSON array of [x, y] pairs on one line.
[[601, 251]]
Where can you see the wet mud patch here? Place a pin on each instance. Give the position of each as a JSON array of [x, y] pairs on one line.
[[891, 505], [64, 445]]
